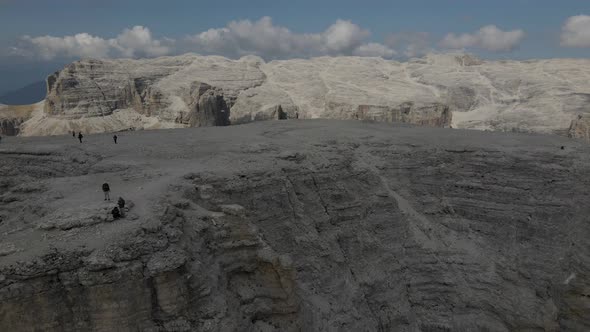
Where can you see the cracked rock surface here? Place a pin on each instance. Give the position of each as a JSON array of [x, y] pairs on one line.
[[308, 225]]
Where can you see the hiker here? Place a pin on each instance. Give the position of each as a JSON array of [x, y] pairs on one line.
[[116, 213], [115, 139], [106, 189], [80, 136], [121, 204], [73, 133]]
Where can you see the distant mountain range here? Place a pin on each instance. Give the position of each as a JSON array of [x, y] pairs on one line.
[[29, 94], [440, 90]]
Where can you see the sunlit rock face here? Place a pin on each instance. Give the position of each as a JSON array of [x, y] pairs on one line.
[[444, 90], [315, 225], [12, 117], [580, 128]]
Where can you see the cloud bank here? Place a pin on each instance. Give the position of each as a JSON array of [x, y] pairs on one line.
[[264, 38], [271, 41], [237, 38], [576, 31], [134, 42], [489, 38]]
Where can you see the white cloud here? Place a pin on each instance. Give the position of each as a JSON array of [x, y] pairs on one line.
[[264, 38], [237, 39], [576, 31], [133, 42], [343, 37], [374, 50], [79, 45], [489, 38], [138, 41], [247, 37]]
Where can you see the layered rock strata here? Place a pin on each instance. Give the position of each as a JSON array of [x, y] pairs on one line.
[[12, 117], [297, 225], [441, 90]]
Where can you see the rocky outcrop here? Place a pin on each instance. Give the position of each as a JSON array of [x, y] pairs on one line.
[[208, 107], [10, 126], [85, 89], [429, 115], [297, 226], [580, 128], [435, 115], [12, 117], [164, 89]]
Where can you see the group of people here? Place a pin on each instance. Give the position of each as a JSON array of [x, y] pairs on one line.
[[80, 136], [119, 210]]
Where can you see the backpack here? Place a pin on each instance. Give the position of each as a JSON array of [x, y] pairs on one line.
[[116, 213], [105, 187]]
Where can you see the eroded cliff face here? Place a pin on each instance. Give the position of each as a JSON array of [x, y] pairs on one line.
[[580, 128], [10, 126], [433, 115], [438, 90], [171, 90], [12, 117], [297, 225]]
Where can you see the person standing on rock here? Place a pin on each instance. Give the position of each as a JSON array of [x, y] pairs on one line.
[[121, 204], [80, 136], [115, 139], [106, 189]]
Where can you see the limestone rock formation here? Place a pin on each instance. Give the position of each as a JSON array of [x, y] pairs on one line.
[[443, 90], [580, 128], [316, 225], [10, 126], [12, 117]]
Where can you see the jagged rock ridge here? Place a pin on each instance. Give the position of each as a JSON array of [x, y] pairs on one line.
[[296, 226]]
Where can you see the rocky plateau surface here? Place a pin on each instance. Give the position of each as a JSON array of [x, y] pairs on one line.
[[442, 90], [308, 225]]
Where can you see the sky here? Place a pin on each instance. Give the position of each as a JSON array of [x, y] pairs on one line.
[[38, 37]]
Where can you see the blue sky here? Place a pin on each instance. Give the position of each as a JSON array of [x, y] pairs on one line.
[[523, 29]]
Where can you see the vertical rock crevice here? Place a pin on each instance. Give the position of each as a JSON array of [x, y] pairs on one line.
[[208, 106]]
